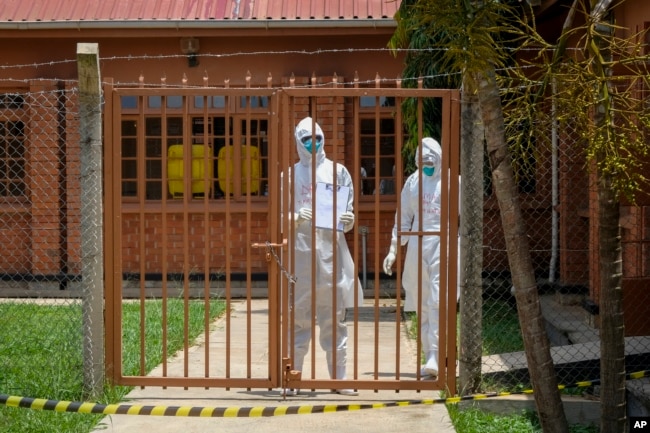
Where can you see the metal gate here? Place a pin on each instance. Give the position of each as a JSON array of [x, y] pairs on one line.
[[197, 218]]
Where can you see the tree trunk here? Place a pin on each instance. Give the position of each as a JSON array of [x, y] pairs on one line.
[[536, 344], [612, 329], [471, 249]]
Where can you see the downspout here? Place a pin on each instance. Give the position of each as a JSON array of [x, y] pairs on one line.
[[554, 191]]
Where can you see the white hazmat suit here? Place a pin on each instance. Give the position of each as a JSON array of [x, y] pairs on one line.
[[312, 145], [428, 174]]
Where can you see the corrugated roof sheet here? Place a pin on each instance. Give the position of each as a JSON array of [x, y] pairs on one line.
[[197, 10]]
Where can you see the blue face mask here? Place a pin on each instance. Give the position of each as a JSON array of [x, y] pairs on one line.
[[307, 142], [428, 170]]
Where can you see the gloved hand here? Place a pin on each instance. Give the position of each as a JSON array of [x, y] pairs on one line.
[[347, 218], [390, 258], [304, 214]]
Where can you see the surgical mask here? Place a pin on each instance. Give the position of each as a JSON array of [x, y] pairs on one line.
[[307, 142], [428, 170]]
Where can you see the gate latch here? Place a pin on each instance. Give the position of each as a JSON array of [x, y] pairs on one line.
[[269, 247], [290, 378]]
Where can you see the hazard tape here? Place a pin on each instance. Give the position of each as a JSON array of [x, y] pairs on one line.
[[249, 412]]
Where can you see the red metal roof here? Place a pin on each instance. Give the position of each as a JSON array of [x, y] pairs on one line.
[[50, 11]]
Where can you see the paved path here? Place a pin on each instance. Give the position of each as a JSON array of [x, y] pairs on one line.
[[411, 418]]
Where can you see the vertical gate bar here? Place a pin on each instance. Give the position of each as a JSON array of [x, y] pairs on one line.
[[287, 209], [274, 155], [207, 280], [187, 196], [141, 188], [335, 257], [356, 174], [111, 224], [356, 128], [399, 182], [226, 234], [313, 111], [375, 304], [165, 221], [454, 157], [420, 110], [445, 288], [290, 124], [248, 242], [164, 253], [399, 171]]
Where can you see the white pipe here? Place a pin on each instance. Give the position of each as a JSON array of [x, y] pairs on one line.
[[364, 233], [554, 192]]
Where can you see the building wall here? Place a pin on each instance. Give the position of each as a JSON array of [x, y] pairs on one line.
[[222, 58]]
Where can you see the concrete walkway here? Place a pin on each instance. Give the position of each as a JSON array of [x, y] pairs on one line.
[[416, 418]]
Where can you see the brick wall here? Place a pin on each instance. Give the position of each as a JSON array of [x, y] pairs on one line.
[[72, 189], [43, 175], [147, 251]]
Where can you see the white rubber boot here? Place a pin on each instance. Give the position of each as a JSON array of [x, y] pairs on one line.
[[430, 368], [340, 374]]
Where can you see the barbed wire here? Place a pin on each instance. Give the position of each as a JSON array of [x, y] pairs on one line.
[[163, 81], [316, 52]]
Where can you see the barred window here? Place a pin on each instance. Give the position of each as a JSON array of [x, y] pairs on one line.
[[377, 126], [12, 145], [229, 153]]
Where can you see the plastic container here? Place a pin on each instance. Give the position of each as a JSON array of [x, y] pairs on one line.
[[249, 167], [175, 172]]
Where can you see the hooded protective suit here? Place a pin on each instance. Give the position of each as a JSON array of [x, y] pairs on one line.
[[428, 174], [323, 247]]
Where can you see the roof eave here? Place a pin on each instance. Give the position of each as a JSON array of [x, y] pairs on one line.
[[198, 24]]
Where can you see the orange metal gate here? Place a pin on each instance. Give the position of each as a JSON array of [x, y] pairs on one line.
[[197, 180]]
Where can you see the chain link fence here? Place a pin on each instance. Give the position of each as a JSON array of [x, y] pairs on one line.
[[50, 311], [40, 268], [558, 198], [45, 302]]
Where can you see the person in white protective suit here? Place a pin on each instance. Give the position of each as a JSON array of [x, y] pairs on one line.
[[310, 144], [428, 173]]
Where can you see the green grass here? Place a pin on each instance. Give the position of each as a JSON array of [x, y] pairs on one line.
[[474, 420], [41, 356], [501, 334], [501, 331]]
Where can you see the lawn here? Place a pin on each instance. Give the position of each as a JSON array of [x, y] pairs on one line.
[[474, 420], [41, 356], [501, 334]]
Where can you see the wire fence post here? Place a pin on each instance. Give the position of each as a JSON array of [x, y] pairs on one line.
[[92, 271]]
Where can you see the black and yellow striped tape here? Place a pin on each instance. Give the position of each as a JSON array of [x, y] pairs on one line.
[[256, 411]]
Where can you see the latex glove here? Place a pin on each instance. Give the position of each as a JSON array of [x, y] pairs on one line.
[[304, 214], [347, 218], [390, 258]]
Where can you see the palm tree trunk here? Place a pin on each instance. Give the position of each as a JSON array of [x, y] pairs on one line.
[[536, 344], [612, 329]]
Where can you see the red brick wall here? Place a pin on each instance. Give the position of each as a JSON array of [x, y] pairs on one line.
[[233, 240], [43, 175], [16, 242], [72, 185], [573, 215]]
